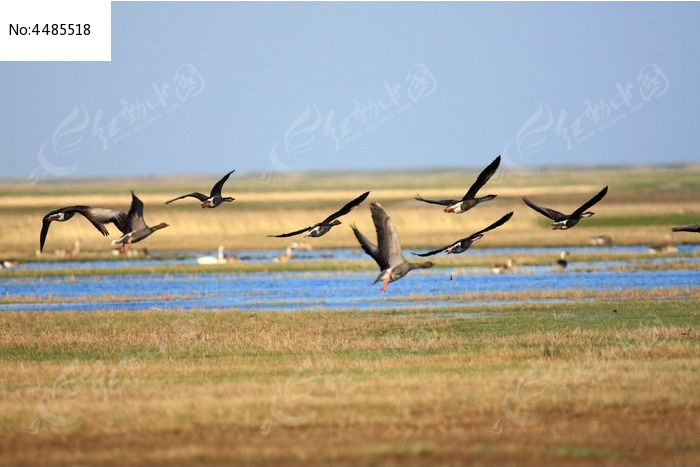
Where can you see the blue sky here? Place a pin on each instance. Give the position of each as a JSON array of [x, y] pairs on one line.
[[206, 87]]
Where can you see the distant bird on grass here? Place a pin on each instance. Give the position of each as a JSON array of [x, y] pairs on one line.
[[562, 262], [136, 229], [97, 217], [601, 240], [460, 246], [469, 200], [214, 199], [9, 263], [562, 221], [328, 223], [287, 256], [388, 253], [687, 228], [502, 267], [666, 248]]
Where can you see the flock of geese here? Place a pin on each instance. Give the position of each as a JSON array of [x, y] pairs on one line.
[[387, 252]]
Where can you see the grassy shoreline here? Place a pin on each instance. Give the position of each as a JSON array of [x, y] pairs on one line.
[[466, 264]]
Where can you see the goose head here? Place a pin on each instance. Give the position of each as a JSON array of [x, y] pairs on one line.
[[58, 217]]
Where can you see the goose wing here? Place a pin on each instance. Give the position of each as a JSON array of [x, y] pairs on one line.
[[135, 216], [590, 202], [97, 224], [483, 177], [347, 208], [387, 236], [216, 191], [370, 248], [687, 228], [434, 252], [498, 223], [441, 202], [84, 210], [200, 196], [551, 213], [44, 231], [291, 234], [106, 216]]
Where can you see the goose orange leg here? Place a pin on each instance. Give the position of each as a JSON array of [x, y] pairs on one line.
[[385, 284], [126, 246]]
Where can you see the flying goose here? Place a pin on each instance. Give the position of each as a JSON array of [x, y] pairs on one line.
[[469, 200], [97, 217], [388, 254], [328, 223], [562, 221], [214, 199], [460, 246], [137, 229]]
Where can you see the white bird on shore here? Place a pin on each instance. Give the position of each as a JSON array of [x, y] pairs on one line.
[[218, 259]]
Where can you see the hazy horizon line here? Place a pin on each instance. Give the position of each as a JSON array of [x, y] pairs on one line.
[[315, 172]]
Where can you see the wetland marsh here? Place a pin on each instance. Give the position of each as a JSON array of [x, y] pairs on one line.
[[155, 359]]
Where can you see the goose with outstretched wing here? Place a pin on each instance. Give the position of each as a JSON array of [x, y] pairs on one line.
[[214, 199], [328, 223], [98, 217], [462, 245], [387, 254], [469, 200], [563, 221], [137, 229]]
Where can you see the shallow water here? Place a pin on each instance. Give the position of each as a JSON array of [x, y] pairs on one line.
[[266, 256], [291, 291]]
